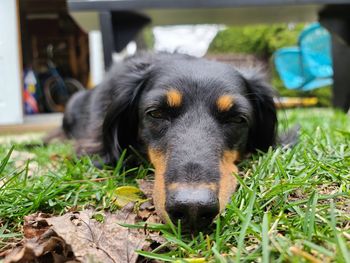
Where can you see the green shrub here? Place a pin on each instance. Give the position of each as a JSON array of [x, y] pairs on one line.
[[261, 40]]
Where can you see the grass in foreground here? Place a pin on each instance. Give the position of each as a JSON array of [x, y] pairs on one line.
[[291, 205]]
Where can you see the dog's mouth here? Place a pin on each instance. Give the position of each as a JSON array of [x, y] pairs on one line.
[[195, 204]]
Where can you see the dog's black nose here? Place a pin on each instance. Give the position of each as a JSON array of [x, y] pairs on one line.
[[195, 207]]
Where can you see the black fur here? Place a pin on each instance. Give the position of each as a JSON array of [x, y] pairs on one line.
[[263, 132], [129, 108], [105, 120]]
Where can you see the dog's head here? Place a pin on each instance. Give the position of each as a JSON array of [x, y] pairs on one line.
[[194, 118]]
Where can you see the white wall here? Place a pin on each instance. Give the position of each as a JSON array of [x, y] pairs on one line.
[[96, 57], [10, 74]]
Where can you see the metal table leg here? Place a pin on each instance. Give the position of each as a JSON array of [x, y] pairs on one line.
[[118, 28], [336, 19]]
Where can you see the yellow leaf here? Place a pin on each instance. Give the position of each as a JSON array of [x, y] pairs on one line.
[[126, 194], [192, 260]]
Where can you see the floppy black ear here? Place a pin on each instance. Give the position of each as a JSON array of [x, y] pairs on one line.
[[120, 125], [262, 134]]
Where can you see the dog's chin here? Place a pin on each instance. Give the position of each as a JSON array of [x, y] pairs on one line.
[[186, 228]]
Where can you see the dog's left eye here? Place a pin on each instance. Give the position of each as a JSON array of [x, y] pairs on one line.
[[156, 114]]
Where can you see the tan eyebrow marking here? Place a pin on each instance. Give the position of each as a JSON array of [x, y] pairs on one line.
[[225, 102], [174, 98]]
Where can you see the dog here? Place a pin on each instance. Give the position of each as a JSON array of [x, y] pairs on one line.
[[193, 118]]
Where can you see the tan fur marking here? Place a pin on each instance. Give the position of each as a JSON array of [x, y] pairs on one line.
[[227, 180], [210, 186], [158, 160], [174, 98], [225, 102]]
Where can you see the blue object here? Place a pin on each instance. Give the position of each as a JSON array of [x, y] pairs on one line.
[[309, 65]]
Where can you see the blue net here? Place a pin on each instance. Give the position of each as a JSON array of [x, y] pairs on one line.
[[309, 65], [289, 66], [315, 46]]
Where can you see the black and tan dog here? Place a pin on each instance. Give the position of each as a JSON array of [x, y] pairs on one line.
[[193, 118]]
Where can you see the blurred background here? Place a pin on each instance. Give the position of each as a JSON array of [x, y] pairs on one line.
[[50, 49]]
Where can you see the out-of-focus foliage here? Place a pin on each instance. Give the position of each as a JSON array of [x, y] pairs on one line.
[[148, 38], [261, 40]]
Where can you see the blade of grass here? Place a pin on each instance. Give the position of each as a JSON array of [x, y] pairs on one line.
[[341, 245], [319, 249], [245, 225], [217, 234], [309, 219], [6, 160], [217, 255], [265, 239], [179, 242], [155, 256]]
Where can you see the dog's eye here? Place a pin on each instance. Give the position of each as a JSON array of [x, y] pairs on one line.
[[235, 119], [156, 114]]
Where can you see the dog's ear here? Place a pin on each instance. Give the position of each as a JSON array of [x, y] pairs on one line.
[[263, 131], [120, 125]]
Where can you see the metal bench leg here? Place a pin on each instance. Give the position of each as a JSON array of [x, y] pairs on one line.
[[118, 28], [341, 66], [106, 27], [337, 20]]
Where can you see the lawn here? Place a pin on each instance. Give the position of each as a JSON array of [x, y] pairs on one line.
[[292, 205]]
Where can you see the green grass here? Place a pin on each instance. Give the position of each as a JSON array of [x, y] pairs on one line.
[[292, 205]]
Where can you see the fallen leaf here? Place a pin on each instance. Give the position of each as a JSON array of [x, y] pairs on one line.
[[192, 260], [79, 236], [35, 225], [104, 242], [91, 236], [126, 194], [48, 247], [146, 186], [146, 211]]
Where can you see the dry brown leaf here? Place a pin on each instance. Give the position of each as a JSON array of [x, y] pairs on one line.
[[48, 247], [146, 186], [35, 225], [78, 236], [88, 236], [105, 242], [146, 211]]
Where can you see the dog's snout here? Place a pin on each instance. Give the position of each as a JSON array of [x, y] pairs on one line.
[[195, 207]]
